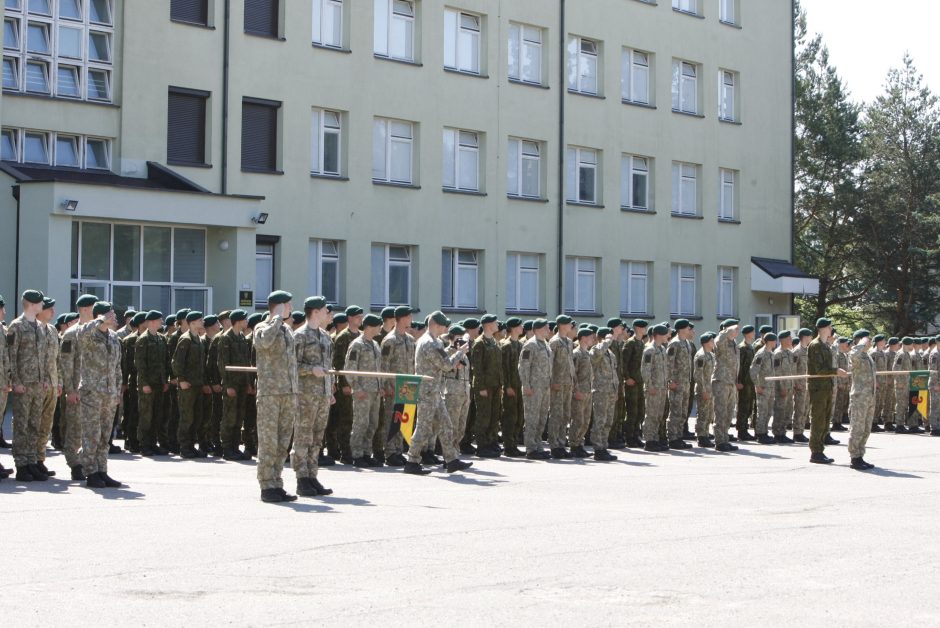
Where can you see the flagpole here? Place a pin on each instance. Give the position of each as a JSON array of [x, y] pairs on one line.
[[254, 369], [783, 378]]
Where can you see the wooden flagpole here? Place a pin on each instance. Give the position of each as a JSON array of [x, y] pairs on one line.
[[254, 369], [783, 378]]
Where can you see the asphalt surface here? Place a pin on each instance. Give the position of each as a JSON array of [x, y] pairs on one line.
[[696, 537]]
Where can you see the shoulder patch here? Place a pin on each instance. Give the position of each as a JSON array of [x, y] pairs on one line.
[[442, 353], [757, 360], [671, 350], [525, 354], [777, 362], [67, 346], [354, 354], [11, 339], [648, 358], [700, 362], [386, 350]]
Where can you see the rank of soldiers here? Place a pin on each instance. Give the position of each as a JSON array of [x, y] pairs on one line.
[[539, 389]]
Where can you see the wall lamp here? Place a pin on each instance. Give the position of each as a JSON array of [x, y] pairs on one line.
[[260, 219], [70, 205]]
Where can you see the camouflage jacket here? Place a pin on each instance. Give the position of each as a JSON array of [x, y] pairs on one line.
[[509, 353], [863, 372], [314, 349], [762, 367], [486, 365], [704, 367], [535, 364], [234, 350], [363, 355], [679, 363], [28, 361], [727, 359], [273, 343], [398, 355], [604, 368], [150, 360], [654, 367], [583, 370], [562, 360], [189, 361], [431, 359], [340, 347], [784, 364], [101, 359]]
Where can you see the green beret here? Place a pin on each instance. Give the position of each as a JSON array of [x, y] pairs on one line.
[[71, 316], [805, 333], [539, 323], [340, 318], [225, 315], [708, 336], [86, 300], [34, 296], [660, 330], [48, 303], [747, 329], [823, 322], [154, 315], [210, 320], [101, 307], [861, 333], [371, 320], [387, 312], [418, 325], [552, 325], [139, 319], [501, 326], [438, 317], [314, 303], [584, 333], [402, 311], [170, 320], [770, 337], [238, 315], [513, 322], [488, 318], [60, 319], [353, 310], [682, 323], [878, 338], [639, 322], [563, 319], [297, 316], [254, 319], [527, 326], [279, 296], [470, 323], [194, 316], [893, 341], [844, 340], [181, 314], [603, 332], [729, 322], [456, 330], [614, 323], [783, 334], [764, 329]]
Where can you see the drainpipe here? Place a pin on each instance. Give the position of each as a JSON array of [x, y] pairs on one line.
[[225, 70], [561, 160], [16, 263], [792, 142]]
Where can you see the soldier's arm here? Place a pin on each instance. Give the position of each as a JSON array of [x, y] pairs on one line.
[[525, 366], [118, 372], [583, 375], [352, 364], [646, 366], [304, 368], [477, 367], [266, 334], [178, 363]]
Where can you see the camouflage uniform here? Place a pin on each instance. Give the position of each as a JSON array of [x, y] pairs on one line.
[[890, 386], [314, 349], [840, 389], [234, 350], [704, 367], [513, 406], [903, 361], [100, 390], [563, 378], [933, 405], [819, 361], [762, 367], [784, 364], [432, 360], [678, 372], [150, 362], [212, 417], [4, 370], [28, 368], [617, 423], [277, 397], [486, 376], [341, 412], [880, 358], [364, 355], [654, 390], [50, 357], [171, 408], [724, 380], [398, 356], [581, 408], [863, 395], [746, 395], [634, 401], [606, 384], [189, 365], [535, 374], [131, 399], [457, 395], [800, 394]]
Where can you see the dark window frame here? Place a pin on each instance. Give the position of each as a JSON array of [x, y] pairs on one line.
[[261, 142], [190, 12], [186, 131], [263, 18]]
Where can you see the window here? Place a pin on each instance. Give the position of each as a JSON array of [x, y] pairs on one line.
[[264, 271], [522, 282], [727, 84], [42, 147], [100, 11], [684, 189], [98, 154], [37, 38], [192, 11], [635, 182], [581, 181], [727, 11], [727, 206], [66, 151], [684, 87], [395, 29], [324, 269], [11, 73], [459, 279], [582, 65], [686, 6], [634, 287], [392, 156], [70, 42], [525, 53], [11, 34], [580, 284], [328, 23], [186, 126], [684, 290], [70, 9], [325, 142], [9, 142], [635, 76], [462, 41], [37, 77], [726, 298], [36, 148], [262, 17], [99, 47], [391, 275], [99, 85], [524, 168], [259, 134], [461, 160]]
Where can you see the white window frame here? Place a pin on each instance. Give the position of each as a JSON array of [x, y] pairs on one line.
[[686, 6], [727, 199], [636, 66], [394, 15], [522, 40], [51, 140], [523, 150], [726, 291], [391, 140], [460, 261], [727, 92], [466, 146], [685, 86], [319, 129], [581, 272], [463, 32], [582, 159], [261, 300], [727, 12], [631, 167], [688, 275], [634, 273], [579, 60], [683, 175], [319, 254], [514, 261], [319, 33], [398, 262]]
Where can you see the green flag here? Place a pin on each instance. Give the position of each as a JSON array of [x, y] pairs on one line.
[[407, 388], [919, 380]]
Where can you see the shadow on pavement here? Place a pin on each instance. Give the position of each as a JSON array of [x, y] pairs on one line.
[[50, 486], [345, 501], [755, 454], [306, 507], [632, 463], [457, 478], [888, 473], [118, 494]]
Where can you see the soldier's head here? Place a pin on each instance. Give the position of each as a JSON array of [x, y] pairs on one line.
[[105, 311], [212, 325], [731, 325], [845, 344], [586, 337], [907, 344], [371, 326], [437, 324], [563, 325], [403, 318], [71, 319], [388, 318], [639, 327], [3, 308], [786, 338], [806, 336], [472, 325], [527, 329], [823, 328], [894, 343], [224, 320], [861, 337], [514, 327], [181, 321], [32, 303], [455, 335], [354, 315], [770, 341], [239, 320], [616, 327], [540, 328], [708, 341], [879, 341], [154, 321], [315, 312], [659, 334], [138, 322], [489, 324], [748, 333], [340, 321], [685, 330], [48, 310], [196, 322], [128, 316], [84, 304], [279, 303]]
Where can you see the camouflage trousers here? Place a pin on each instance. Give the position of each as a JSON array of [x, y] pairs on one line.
[[486, 426], [512, 419], [339, 427], [190, 404], [45, 424], [434, 421], [605, 408], [678, 412], [800, 410], [365, 422], [724, 396], [275, 424], [883, 412], [97, 411], [131, 417], [764, 403], [706, 413], [313, 411], [536, 417], [746, 400], [902, 405], [580, 417], [840, 403], [861, 416], [933, 409], [618, 422], [655, 414], [558, 415], [635, 410], [233, 417], [27, 419], [457, 404], [783, 412], [382, 445], [149, 416], [890, 393]]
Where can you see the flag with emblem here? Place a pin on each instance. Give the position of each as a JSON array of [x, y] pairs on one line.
[[918, 388], [407, 389]]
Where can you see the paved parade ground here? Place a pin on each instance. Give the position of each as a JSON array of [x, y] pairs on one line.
[[695, 537]]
